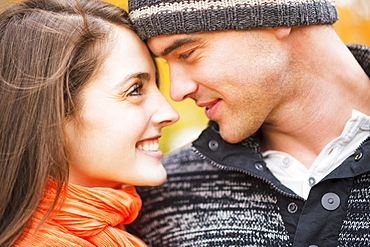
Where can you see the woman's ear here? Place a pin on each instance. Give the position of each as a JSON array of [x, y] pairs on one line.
[[281, 32]]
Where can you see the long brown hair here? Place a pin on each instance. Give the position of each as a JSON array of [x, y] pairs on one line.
[[49, 50]]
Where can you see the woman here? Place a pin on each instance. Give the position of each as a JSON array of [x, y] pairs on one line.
[[81, 116]]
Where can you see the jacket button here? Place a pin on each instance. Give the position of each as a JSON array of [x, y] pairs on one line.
[[213, 145], [292, 207], [330, 201], [358, 156]]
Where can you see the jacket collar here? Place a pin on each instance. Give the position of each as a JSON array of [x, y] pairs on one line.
[[244, 157]]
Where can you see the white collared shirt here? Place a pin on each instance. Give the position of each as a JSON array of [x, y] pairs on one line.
[[294, 175]]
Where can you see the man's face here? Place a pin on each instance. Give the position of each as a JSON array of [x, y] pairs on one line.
[[237, 76]]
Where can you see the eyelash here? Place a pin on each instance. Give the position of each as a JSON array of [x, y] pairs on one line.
[[135, 90], [185, 55]]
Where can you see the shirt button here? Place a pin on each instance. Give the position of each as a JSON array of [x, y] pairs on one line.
[[292, 207], [286, 162], [213, 145], [330, 201], [258, 166], [313, 245], [311, 181]]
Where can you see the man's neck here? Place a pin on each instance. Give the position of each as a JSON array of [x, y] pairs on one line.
[[329, 85]]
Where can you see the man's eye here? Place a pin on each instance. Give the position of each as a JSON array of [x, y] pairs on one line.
[[135, 90], [185, 55]]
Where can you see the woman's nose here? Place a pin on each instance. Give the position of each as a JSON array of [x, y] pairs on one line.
[[165, 114]]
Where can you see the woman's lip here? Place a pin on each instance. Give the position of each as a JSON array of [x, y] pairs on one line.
[[157, 154], [150, 138], [154, 154]]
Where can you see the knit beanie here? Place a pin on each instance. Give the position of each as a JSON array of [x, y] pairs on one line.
[[152, 18]]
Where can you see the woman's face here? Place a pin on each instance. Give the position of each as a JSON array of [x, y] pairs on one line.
[[113, 140]]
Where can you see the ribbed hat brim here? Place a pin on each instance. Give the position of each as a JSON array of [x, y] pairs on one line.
[[153, 18]]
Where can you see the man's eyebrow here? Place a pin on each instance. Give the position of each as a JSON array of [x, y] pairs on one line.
[[176, 44]]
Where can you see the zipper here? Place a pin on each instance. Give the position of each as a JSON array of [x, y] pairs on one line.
[[222, 167], [362, 143]]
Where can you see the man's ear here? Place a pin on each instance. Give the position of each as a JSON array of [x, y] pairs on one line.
[[281, 32]]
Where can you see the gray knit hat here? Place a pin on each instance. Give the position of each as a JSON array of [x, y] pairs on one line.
[[158, 17]]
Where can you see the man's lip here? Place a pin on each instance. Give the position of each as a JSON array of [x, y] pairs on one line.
[[211, 109], [208, 104]]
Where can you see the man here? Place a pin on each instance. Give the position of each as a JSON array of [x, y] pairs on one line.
[[285, 160]]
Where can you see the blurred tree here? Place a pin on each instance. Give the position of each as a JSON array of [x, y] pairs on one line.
[[354, 21], [6, 3]]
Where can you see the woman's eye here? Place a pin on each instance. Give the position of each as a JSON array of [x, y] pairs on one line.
[[135, 90], [185, 55]]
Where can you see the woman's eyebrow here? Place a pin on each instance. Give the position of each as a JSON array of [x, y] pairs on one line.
[[140, 75]]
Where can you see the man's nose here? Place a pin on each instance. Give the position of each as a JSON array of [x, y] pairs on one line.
[[181, 84]]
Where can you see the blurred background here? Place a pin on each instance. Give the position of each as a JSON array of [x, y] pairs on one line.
[[353, 27]]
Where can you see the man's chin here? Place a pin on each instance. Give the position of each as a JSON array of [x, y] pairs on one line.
[[231, 137]]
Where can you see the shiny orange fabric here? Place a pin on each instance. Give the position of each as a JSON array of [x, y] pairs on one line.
[[88, 217]]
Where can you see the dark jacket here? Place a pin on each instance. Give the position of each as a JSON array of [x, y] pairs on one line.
[[222, 194]]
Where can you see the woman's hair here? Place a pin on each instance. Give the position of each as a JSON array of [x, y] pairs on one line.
[[49, 50]]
